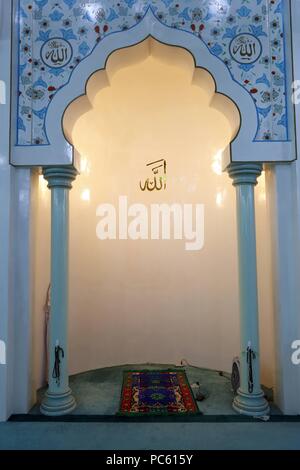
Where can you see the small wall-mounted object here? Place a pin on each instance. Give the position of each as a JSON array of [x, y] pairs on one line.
[[235, 374]]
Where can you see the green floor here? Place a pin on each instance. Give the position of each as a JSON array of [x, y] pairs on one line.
[[98, 392]]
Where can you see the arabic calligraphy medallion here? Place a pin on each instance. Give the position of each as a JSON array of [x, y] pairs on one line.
[[245, 48], [56, 53]]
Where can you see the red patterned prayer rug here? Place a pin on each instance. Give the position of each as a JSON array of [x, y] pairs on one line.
[[157, 392]]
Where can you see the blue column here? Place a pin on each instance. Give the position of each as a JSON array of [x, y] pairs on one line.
[[58, 399], [250, 397]]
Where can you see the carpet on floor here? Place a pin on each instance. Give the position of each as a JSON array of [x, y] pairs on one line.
[[156, 392]]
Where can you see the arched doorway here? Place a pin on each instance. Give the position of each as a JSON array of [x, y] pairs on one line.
[[155, 106], [246, 177]]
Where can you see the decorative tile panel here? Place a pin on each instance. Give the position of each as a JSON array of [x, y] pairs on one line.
[[55, 36]]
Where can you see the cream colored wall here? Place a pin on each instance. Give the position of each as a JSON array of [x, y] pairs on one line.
[[150, 300], [42, 278]]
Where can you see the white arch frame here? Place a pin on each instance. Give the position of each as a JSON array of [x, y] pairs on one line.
[[242, 149]]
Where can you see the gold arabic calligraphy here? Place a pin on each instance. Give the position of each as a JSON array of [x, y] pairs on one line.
[[159, 181]]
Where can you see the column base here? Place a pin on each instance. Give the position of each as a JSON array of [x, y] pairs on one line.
[[253, 404], [57, 404]]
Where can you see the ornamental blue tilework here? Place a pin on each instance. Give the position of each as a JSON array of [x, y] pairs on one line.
[[55, 36]]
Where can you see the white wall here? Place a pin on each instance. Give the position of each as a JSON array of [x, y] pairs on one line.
[[145, 300], [6, 326], [15, 252], [284, 212]]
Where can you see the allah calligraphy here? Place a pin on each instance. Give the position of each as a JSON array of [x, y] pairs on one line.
[[56, 52], [159, 179], [245, 48]]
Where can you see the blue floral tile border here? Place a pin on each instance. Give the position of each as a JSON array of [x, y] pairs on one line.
[[55, 36]]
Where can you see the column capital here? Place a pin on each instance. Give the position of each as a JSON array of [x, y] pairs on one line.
[[244, 173], [60, 176]]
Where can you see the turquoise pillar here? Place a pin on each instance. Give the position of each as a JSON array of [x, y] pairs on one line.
[[58, 399], [250, 397]]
